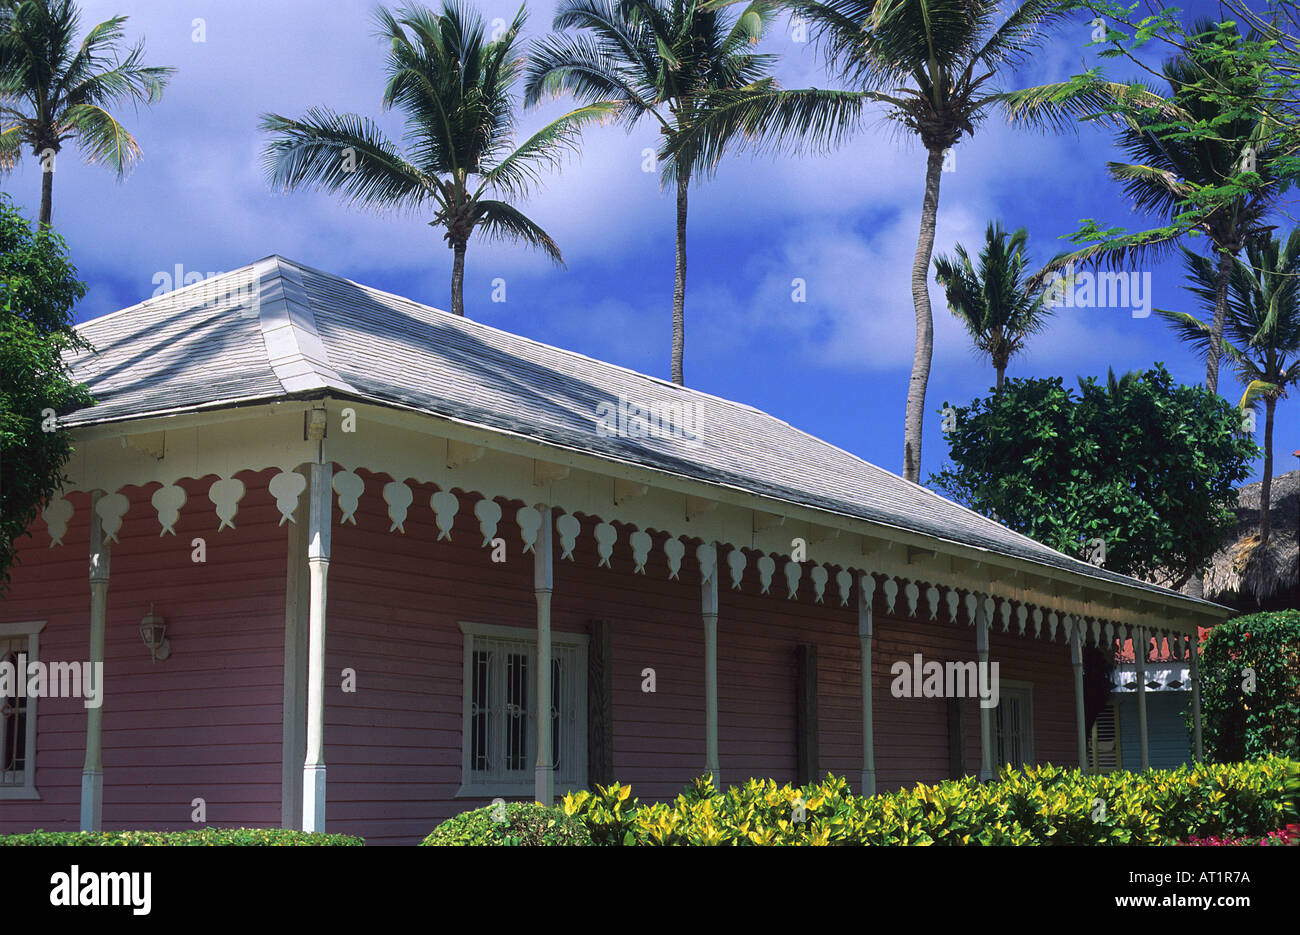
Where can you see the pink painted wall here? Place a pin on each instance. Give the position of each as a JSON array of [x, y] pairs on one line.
[[395, 601], [204, 723], [207, 722]]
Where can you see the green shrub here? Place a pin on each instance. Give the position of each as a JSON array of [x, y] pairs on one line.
[[1238, 725], [1036, 805], [526, 824], [201, 837]]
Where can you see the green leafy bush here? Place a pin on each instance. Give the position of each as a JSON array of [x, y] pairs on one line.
[[526, 824], [1240, 725], [1145, 465], [201, 837], [1037, 805]]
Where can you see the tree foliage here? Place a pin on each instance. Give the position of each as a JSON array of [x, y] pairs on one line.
[[53, 89], [453, 84], [1144, 465], [999, 303], [38, 289], [1260, 335], [1250, 688]]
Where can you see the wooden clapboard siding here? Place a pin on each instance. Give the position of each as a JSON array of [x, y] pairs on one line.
[[204, 723], [207, 722], [393, 748]]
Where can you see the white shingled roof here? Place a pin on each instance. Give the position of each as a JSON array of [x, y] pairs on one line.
[[277, 329]]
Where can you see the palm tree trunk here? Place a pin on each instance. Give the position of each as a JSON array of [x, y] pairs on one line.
[[1002, 376], [1216, 328], [1266, 486], [458, 279], [47, 198], [679, 283], [924, 321]]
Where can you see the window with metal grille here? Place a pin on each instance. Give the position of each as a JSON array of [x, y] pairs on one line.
[[19, 647], [1014, 724], [500, 736]]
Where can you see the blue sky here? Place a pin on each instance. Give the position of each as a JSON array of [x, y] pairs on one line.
[[836, 365]]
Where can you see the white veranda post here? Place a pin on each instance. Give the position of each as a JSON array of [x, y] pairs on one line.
[[709, 609], [320, 518], [543, 581], [1140, 657], [92, 773], [866, 591], [986, 716], [1080, 717]]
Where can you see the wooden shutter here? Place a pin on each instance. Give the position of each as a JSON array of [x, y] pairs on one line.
[[600, 705], [807, 759]]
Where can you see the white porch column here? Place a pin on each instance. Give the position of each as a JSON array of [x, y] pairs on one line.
[[92, 773], [1080, 717], [543, 581], [866, 591], [1140, 657], [986, 714], [320, 518], [709, 610], [1196, 695]]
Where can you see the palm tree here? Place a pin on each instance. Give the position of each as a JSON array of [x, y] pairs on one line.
[[931, 62], [1261, 330], [53, 90], [1000, 305], [665, 60], [1172, 171], [454, 88], [1116, 387]]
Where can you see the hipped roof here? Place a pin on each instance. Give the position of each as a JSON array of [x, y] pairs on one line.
[[277, 329]]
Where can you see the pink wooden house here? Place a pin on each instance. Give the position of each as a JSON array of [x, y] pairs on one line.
[[357, 564]]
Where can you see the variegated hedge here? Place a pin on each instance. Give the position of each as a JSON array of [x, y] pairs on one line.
[[1036, 805]]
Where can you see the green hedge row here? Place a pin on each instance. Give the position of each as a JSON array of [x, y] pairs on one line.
[[1035, 806], [202, 837], [510, 824]]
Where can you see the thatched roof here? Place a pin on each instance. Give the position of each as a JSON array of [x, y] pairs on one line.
[[1242, 574]]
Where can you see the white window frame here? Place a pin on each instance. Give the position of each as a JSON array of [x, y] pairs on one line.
[[31, 630], [1023, 691], [575, 779]]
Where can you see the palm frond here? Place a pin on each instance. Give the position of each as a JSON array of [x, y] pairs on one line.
[[1061, 106], [102, 137], [576, 64], [1257, 391], [1011, 42], [341, 153], [766, 117], [501, 221], [521, 169], [11, 146]]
